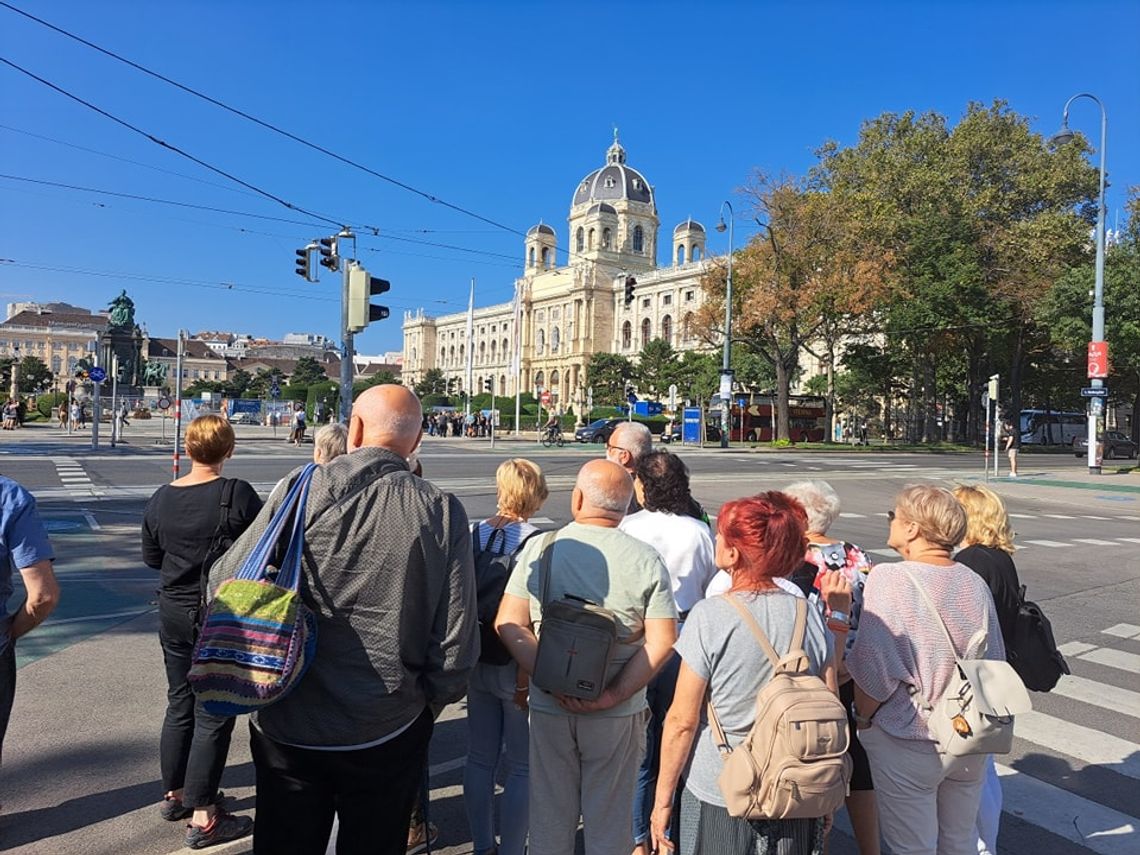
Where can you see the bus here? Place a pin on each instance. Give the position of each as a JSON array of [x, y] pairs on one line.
[[1051, 427], [753, 422]]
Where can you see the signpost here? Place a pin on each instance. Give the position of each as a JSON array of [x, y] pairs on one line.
[[1094, 392], [97, 375], [1098, 360]]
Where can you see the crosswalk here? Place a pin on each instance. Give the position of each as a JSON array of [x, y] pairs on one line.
[[74, 478]]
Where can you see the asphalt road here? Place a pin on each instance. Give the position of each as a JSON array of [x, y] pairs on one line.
[[80, 771]]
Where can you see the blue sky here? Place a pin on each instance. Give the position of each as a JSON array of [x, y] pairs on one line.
[[497, 107]]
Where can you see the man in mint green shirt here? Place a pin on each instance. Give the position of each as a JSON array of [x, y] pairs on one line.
[[584, 755]]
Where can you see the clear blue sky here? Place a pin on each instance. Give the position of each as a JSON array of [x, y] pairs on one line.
[[498, 107]]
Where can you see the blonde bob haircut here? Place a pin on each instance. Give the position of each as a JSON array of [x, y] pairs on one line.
[[987, 522], [521, 487], [209, 440], [941, 520]]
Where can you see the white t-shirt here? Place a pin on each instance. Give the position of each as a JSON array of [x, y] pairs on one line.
[[722, 581], [683, 544]]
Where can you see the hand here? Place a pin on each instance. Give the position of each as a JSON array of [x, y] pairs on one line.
[[828, 823], [836, 591], [521, 699], [659, 828], [578, 706]]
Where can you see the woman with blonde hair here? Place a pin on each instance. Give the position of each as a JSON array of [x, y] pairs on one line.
[[902, 662], [987, 549], [497, 693]]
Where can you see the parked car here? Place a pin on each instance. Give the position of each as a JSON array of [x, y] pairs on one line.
[[1116, 445], [597, 431], [244, 419]]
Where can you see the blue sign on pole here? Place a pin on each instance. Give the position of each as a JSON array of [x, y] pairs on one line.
[[274, 391], [691, 426], [97, 374]]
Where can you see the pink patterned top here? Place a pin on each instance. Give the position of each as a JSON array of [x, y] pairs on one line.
[[900, 644]]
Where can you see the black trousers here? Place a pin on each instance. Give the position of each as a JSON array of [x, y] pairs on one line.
[[194, 744], [7, 688], [370, 791]]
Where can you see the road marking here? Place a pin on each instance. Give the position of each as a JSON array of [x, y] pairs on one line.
[[1129, 662], [1059, 516], [850, 515], [1079, 820], [1129, 539], [1123, 630], [1075, 648], [1023, 516], [889, 553], [1081, 743], [105, 616], [1091, 517], [1053, 543], [1097, 694], [1092, 541], [1137, 519], [541, 521]]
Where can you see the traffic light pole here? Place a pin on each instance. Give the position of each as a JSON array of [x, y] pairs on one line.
[[346, 354]]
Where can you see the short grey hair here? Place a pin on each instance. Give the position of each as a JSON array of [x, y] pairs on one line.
[[331, 441], [635, 438], [819, 500], [614, 498]]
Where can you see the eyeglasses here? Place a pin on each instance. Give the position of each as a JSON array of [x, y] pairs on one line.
[[617, 448]]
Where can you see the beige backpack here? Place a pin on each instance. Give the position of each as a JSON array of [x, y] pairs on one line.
[[793, 764]]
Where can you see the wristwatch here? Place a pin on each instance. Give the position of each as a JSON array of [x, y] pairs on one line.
[[861, 721], [838, 616]]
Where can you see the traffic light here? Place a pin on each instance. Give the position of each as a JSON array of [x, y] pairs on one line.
[[450, 386], [361, 288], [304, 262], [327, 247], [630, 284], [489, 384]]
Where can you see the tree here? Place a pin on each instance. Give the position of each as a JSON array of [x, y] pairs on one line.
[[306, 372], [433, 383], [606, 374], [698, 375], [34, 375], [656, 368], [258, 387], [238, 383]]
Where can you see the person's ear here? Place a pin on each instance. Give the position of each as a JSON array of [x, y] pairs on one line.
[[577, 499], [355, 432]]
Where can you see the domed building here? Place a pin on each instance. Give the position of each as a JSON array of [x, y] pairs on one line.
[[564, 313]]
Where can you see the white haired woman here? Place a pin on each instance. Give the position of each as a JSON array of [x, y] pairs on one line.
[[330, 442], [825, 555]]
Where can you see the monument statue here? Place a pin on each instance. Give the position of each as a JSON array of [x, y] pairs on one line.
[[122, 315], [154, 373]]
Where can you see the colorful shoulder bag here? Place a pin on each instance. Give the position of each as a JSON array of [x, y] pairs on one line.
[[258, 636]]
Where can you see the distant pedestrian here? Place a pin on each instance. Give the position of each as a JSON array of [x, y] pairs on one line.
[[1012, 444], [297, 434], [10, 415], [124, 411], [24, 546], [185, 525]]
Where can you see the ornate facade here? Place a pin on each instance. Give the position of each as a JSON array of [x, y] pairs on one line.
[[571, 311]]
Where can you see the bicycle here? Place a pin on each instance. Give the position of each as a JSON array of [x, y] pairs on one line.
[[552, 436]]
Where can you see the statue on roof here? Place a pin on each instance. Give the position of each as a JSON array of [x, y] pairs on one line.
[[122, 314]]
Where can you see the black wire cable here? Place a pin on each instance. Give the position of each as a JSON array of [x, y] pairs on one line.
[[169, 146]]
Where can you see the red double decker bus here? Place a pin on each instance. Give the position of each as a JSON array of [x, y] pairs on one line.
[[754, 422]]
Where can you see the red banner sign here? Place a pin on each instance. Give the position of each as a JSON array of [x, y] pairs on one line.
[[1098, 360]]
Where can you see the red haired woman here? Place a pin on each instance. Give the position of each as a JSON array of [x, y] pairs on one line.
[[759, 539]]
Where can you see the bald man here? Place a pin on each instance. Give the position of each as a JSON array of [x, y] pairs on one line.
[[388, 573], [584, 755]]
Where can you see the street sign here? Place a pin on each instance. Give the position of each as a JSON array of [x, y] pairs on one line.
[[275, 391], [164, 403], [97, 374], [1098, 360], [1094, 392], [672, 397], [545, 399]]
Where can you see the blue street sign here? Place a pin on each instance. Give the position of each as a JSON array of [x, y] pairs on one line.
[[274, 391], [97, 374], [1094, 392], [632, 398]]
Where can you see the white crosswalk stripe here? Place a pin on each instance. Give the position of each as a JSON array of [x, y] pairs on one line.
[[1079, 742], [1100, 695], [1093, 541], [1051, 543]]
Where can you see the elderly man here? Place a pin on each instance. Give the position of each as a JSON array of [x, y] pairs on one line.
[[628, 443], [389, 574], [584, 755]]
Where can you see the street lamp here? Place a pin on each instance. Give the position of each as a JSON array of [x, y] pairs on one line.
[[726, 360], [1096, 404]]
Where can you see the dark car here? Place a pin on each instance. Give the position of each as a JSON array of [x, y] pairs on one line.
[[597, 431], [1116, 445]]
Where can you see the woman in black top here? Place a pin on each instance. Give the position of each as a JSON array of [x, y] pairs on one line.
[[187, 524], [987, 550]]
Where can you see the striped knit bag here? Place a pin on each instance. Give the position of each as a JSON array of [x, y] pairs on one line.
[[258, 636]]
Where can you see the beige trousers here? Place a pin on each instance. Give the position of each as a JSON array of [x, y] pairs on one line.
[[928, 802], [583, 765]]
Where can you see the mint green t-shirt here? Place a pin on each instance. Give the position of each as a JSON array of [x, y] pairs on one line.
[[611, 569]]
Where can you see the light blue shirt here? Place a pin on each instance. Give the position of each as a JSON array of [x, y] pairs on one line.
[[23, 542]]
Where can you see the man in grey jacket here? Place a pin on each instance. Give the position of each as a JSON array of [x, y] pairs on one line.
[[389, 574]]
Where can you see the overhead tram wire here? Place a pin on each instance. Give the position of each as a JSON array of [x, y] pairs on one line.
[[169, 146]]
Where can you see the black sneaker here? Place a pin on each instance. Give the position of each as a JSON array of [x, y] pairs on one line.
[[223, 828], [173, 810]]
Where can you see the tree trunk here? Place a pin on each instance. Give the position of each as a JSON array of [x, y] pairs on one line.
[[930, 430], [1015, 377], [973, 385], [829, 405], [783, 393]]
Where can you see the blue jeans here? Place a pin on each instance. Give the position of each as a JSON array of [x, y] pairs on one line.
[[491, 722], [659, 696]]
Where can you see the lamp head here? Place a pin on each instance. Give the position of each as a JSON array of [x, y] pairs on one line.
[[1063, 136], [721, 227]]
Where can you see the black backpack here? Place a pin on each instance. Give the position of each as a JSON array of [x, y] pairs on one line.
[[492, 570], [1032, 652]]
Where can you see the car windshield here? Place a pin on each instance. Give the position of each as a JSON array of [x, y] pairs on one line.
[[597, 423]]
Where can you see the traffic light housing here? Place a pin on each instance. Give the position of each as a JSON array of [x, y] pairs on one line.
[[630, 284], [328, 250], [489, 384], [361, 288], [304, 264]]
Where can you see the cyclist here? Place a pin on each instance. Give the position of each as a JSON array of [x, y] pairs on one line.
[[553, 427]]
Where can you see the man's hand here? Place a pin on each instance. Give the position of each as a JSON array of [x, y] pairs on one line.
[[577, 706]]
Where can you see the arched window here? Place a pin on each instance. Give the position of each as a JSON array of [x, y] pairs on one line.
[[493, 342], [482, 352], [442, 355], [626, 335], [462, 352], [530, 258], [539, 380], [695, 253], [638, 239], [506, 347], [452, 359], [502, 384], [555, 337], [581, 239], [590, 242], [667, 329], [540, 341], [680, 253], [553, 379], [606, 238], [546, 256], [646, 332], [413, 355]]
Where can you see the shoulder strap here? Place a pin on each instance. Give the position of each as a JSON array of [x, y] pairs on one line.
[[761, 638], [547, 552], [934, 611]]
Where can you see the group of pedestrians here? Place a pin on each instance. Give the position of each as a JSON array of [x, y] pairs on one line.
[[392, 571], [473, 425]]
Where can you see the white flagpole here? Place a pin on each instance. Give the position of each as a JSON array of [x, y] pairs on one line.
[[470, 344], [517, 364]]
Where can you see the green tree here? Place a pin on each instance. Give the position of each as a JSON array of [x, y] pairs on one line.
[[606, 374], [258, 386], [34, 375], [656, 368], [432, 383], [307, 371], [238, 383]]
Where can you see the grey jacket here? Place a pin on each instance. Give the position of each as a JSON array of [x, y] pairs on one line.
[[389, 574]]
